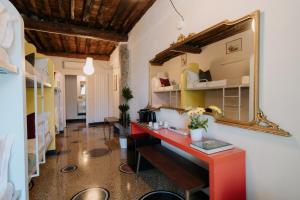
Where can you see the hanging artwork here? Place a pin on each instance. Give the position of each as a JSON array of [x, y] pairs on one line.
[[234, 46], [183, 60]]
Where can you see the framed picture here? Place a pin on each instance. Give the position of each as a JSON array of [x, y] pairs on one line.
[[234, 46], [115, 82]]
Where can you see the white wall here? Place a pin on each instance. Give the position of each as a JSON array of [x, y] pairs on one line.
[[115, 64], [94, 97], [273, 162]]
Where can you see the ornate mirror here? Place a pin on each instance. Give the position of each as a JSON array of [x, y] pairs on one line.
[[219, 67]]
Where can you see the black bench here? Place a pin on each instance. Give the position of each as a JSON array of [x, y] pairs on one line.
[[184, 173]]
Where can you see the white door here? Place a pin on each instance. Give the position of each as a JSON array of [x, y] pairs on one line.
[[99, 95]]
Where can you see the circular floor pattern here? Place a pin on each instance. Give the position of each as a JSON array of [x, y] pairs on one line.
[[125, 168], [161, 195], [98, 152], [69, 168], [96, 193]]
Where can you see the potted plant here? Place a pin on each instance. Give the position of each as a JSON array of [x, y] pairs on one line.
[[197, 125], [124, 116]]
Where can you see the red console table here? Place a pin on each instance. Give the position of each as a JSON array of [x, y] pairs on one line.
[[226, 169]]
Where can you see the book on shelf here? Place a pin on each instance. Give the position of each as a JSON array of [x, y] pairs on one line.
[[210, 146]]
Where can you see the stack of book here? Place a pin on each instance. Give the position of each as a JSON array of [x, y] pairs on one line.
[[210, 146]]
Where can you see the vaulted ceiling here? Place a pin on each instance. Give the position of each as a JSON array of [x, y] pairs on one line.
[[79, 28]]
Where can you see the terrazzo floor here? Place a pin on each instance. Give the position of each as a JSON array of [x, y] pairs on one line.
[[101, 169]]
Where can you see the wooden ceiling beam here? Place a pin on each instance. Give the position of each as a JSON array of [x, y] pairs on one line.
[[35, 40], [188, 49], [74, 55], [86, 12], [61, 9], [47, 9], [34, 6], [72, 11], [73, 30], [21, 6]]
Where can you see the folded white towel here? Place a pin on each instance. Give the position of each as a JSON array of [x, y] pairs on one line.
[[4, 18], [2, 8], [5, 147], [4, 56], [8, 192], [8, 37], [6, 28]]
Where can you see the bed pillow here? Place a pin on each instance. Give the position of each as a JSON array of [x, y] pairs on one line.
[[30, 58], [31, 126], [204, 76], [192, 78], [164, 82]]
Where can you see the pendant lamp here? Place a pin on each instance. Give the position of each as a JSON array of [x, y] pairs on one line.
[[88, 68]]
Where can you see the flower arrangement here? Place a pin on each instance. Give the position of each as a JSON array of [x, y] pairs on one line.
[[215, 109], [195, 119]]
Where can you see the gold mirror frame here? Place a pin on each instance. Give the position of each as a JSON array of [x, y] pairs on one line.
[[260, 121]]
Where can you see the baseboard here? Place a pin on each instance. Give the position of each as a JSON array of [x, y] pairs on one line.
[[96, 124], [51, 153], [76, 120]]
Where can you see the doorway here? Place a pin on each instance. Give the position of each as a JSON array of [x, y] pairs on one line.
[[75, 95]]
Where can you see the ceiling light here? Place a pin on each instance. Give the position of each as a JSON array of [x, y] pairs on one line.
[[88, 68]]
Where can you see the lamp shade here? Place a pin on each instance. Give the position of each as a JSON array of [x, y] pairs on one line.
[[88, 68]]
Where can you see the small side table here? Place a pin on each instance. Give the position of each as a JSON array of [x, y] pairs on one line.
[[110, 121]]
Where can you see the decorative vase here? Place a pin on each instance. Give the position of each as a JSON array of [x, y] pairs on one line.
[[197, 134]]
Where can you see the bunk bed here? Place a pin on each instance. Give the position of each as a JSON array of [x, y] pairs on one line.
[[39, 137]]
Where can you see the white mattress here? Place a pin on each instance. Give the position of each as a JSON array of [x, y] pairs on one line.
[[167, 88], [218, 84], [31, 144]]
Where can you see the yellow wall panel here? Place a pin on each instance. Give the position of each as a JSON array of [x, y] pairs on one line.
[[191, 98]]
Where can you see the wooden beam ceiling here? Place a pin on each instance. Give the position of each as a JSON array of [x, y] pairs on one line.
[[73, 30], [76, 55], [83, 27], [72, 9]]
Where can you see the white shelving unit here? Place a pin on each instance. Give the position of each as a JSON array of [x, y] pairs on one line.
[[238, 97], [42, 134], [173, 98], [225, 97], [13, 106]]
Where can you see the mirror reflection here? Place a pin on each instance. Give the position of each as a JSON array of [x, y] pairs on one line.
[[219, 71]]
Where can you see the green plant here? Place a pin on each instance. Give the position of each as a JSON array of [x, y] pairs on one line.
[[124, 108], [127, 94], [195, 119]]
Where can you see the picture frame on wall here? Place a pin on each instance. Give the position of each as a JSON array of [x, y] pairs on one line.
[[115, 82], [234, 46], [183, 60]]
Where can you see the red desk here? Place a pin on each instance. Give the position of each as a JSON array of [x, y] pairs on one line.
[[226, 169]]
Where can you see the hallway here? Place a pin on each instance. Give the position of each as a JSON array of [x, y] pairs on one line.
[[98, 161]]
